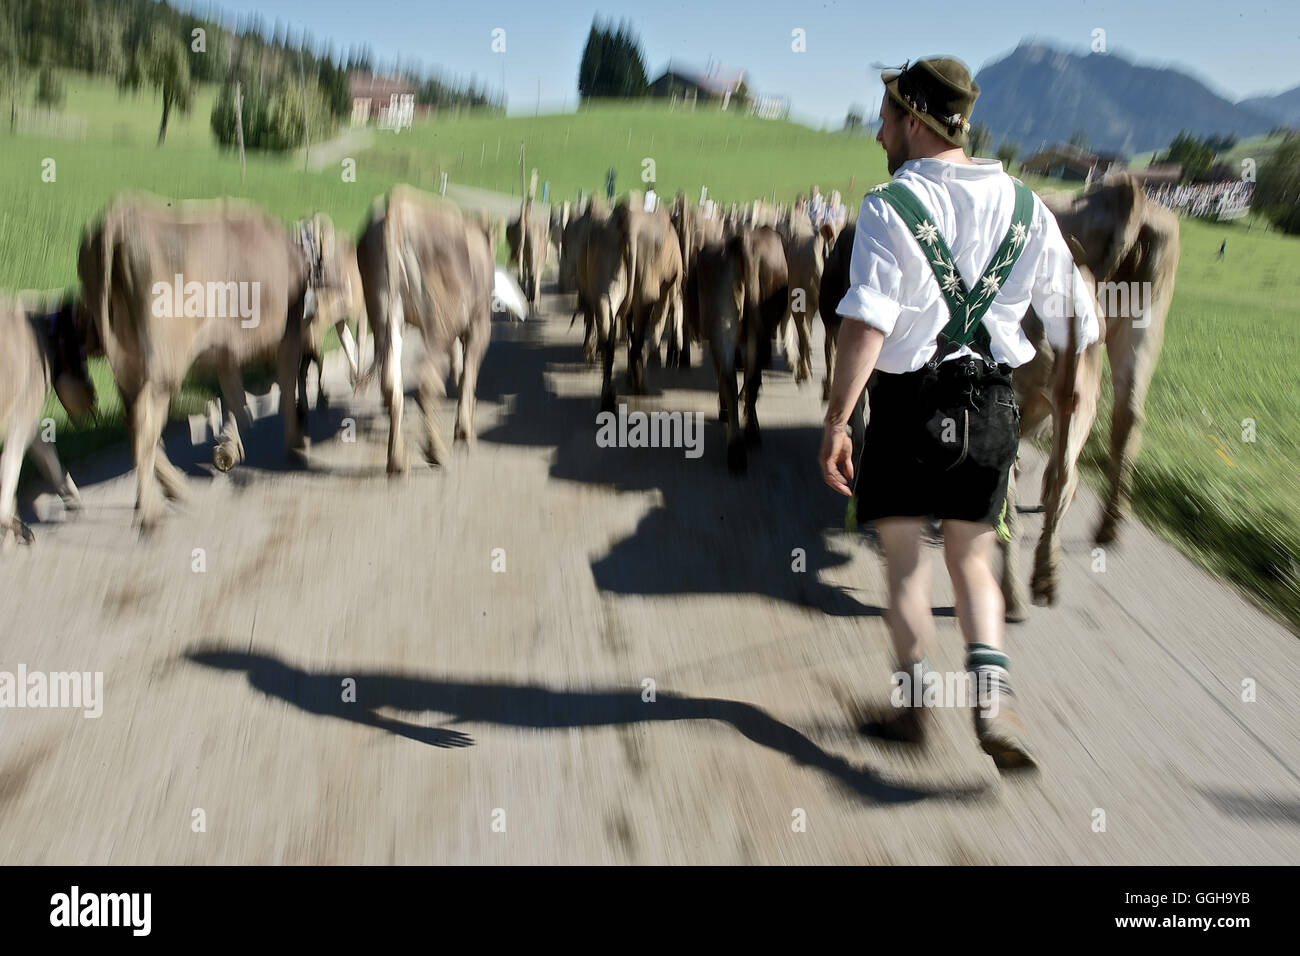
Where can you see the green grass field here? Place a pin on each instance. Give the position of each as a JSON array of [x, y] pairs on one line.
[[1233, 505], [737, 157]]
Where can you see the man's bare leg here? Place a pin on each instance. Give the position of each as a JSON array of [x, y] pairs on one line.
[[911, 626], [968, 552], [911, 623]]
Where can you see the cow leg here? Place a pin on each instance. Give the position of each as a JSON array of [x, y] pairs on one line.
[[390, 385], [590, 340], [607, 398], [11, 463], [636, 329], [758, 352], [47, 460], [476, 342], [684, 360], [829, 348], [169, 476], [304, 366], [1013, 591], [659, 316], [803, 350], [729, 412], [146, 432], [229, 450], [351, 350], [433, 388], [1130, 386], [676, 327], [290, 354], [786, 332], [1071, 423]]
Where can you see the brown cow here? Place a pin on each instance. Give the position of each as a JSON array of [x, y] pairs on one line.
[[737, 293], [1131, 246], [653, 263], [602, 280], [573, 242], [339, 300], [40, 345], [209, 284], [426, 265], [526, 236], [805, 256]]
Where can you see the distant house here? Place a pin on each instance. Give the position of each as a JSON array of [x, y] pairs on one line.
[[719, 85], [1159, 174], [1070, 163], [389, 101]]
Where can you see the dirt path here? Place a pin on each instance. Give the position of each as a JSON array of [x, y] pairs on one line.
[[514, 699]]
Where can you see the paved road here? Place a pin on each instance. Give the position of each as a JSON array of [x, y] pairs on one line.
[[499, 715]]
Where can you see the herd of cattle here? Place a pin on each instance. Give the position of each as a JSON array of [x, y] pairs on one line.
[[662, 279]]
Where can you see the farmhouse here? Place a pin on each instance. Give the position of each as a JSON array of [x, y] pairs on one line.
[[390, 101], [720, 85], [1070, 163]]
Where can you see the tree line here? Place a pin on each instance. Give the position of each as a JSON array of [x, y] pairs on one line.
[[289, 87]]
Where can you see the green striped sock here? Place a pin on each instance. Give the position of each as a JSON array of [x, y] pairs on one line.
[[981, 655]]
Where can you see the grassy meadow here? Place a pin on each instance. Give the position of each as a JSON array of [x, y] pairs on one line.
[[1232, 334]]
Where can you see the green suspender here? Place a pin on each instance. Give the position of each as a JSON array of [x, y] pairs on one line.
[[965, 308]]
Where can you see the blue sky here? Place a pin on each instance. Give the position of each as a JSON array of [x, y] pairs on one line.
[[1239, 49]]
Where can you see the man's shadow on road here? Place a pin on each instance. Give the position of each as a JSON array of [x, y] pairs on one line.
[[541, 708], [762, 533]]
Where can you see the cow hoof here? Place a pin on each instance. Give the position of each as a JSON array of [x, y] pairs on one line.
[[224, 456], [752, 436], [17, 533], [435, 455], [1106, 531], [297, 459], [1044, 592], [73, 503], [1016, 615], [149, 525], [737, 458], [607, 401]]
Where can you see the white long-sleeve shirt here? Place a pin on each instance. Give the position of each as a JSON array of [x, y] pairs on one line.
[[893, 288]]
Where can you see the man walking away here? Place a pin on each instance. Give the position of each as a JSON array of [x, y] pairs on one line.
[[946, 261]]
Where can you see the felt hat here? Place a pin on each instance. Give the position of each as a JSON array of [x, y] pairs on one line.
[[939, 92]]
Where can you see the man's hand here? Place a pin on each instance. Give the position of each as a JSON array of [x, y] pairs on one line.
[[837, 459]]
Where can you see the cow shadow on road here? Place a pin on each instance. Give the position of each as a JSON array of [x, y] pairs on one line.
[[765, 532], [543, 708]]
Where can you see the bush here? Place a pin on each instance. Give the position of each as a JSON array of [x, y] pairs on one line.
[[275, 120], [1277, 190]]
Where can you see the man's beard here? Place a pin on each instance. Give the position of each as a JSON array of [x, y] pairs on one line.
[[895, 159]]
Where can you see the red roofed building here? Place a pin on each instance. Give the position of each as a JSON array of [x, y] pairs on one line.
[[385, 99]]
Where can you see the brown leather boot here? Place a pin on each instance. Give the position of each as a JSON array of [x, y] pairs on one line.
[[1003, 737]]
